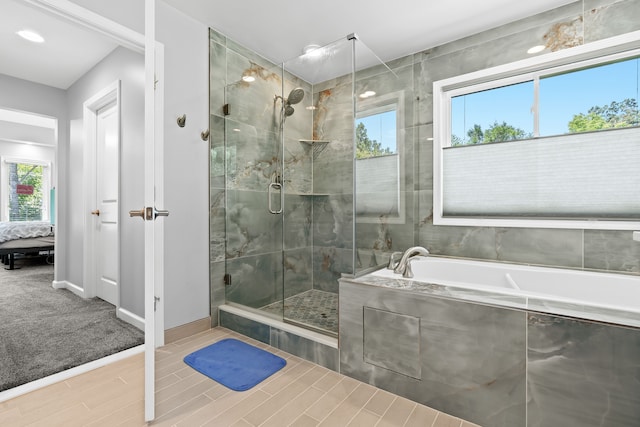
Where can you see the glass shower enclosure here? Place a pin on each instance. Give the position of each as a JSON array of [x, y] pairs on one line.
[[282, 179]]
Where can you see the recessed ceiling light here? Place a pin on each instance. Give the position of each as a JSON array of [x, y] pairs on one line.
[[236, 130], [311, 107], [367, 94], [32, 36], [536, 49], [248, 79], [312, 50]]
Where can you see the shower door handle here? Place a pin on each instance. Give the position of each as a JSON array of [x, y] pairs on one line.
[[270, 192]]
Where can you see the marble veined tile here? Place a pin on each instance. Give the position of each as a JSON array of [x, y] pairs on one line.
[[256, 281], [582, 374], [611, 250], [316, 352], [250, 228], [256, 330], [329, 264], [606, 18], [382, 327], [297, 220], [217, 76], [472, 357], [333, 221], [251, 155]]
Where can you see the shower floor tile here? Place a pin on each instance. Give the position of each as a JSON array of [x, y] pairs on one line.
[[314, 308]]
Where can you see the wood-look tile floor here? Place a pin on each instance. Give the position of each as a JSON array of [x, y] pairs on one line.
[[301, 394]]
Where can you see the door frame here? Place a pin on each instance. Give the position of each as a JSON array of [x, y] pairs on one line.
[[91, 108], [154, 66]]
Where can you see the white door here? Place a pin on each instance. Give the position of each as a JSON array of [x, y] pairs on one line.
[[107, 177], [101, 176], [153, 196]]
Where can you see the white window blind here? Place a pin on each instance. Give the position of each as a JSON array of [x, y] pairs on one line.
[[586, 176]]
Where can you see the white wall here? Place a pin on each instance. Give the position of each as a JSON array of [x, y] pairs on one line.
[[128, 67], [129, 13], [186, 155], [35, 152], [23, 95], [186, 166]]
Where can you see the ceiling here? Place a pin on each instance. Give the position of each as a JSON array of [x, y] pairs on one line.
[[68, 52], [278, 29]]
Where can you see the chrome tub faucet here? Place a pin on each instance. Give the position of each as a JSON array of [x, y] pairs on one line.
[[404, 266]]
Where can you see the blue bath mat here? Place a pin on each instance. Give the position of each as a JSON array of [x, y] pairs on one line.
[[235, 364]]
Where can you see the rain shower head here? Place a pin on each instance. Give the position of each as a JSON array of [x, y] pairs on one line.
[[295, 96]]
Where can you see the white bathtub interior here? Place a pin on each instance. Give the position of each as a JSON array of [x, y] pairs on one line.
[[590, 295]]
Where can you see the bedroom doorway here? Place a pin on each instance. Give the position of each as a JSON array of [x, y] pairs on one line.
[[124, 60], [102, 175]]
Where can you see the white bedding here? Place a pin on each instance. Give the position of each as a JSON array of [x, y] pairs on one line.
[[24, 230]]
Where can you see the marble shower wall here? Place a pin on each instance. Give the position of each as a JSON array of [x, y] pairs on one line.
[[379, 234], [316, 229], [242, 231], [574, 24], [332, 182]]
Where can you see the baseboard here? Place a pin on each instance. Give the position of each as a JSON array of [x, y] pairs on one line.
[[131, 318], [187, 330], [65, 284], [69, 373]]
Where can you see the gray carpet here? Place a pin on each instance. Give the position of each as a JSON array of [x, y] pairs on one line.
[[44, 330]]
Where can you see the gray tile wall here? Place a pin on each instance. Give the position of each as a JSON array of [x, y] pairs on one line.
[[574, 24], [493, 366], [330, 227], [582, 373], [307, 349]]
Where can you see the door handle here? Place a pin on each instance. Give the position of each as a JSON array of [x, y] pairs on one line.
[[96, 212], [139, 213], [160, 212], [148, 214]]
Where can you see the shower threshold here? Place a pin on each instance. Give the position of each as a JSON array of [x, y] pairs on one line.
[[313, 309]]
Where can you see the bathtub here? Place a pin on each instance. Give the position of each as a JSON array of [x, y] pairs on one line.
[[606, 297]]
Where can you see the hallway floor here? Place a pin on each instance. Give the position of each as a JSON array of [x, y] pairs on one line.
[[301, 394]]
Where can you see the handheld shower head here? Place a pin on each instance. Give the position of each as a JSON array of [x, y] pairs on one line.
[[295, 96], [288, 110]]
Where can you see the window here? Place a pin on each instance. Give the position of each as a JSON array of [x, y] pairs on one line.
[[376, 133], [509, 117], [25, 190], [589, 99], [379, 159], [551, 141]]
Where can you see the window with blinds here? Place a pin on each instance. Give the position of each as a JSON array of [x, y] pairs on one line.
[[551, 141]]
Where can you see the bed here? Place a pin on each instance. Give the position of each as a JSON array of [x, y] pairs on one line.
[[24, 238]]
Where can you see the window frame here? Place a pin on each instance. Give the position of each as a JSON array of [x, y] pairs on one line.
[[46, 185], [393, 101], [591, 54]]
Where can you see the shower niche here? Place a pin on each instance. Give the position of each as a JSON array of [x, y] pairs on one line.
[[282, 180]]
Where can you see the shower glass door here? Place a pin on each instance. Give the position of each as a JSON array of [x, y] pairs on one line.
[[282, 179], [318, 183], [249, 162]]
